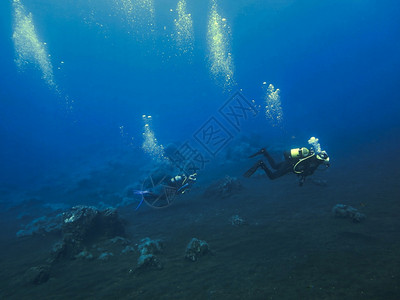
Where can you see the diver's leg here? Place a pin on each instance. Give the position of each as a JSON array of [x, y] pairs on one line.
[[261, 164], [270, 174], [284, 168], [271, 161]]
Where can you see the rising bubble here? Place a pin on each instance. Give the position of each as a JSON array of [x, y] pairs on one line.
[[150, 144], [273, 107], [220, 57], [139, 14], [184, 36], [29, 49]]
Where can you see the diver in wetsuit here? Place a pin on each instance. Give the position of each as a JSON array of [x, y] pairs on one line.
[[300, 161], [182, 183], [166, 189]]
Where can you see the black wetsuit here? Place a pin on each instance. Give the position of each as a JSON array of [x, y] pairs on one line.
[[302, 167]]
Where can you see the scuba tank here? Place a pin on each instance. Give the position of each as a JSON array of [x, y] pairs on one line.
[[299, 153]]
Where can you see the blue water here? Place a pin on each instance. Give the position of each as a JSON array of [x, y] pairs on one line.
[[336, 64]]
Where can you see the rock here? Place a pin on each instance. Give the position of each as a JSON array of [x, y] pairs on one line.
[[66, 249], [42, 226], [347, 211], [84, 255], [62, 250], [80, 223], [105, 256], [37, 275], [149, 246], [237, 221], [84, 225], [128, 249], [148, 261], [87, 222], [147, 249], [120, 240], [81, 227], [196, 248]]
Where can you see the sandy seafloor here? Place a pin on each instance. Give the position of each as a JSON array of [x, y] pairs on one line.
[[291, 248]]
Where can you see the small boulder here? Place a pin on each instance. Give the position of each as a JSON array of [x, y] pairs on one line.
[[149, 246], [148, 261], [237, 221], [105, 256], [195, 249], [347, 212]]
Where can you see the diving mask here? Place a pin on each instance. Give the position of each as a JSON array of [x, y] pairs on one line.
[[323, 156], [193, 177]]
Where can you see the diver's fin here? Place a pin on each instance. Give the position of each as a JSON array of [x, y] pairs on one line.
[[262, 151], [137, 207], [182, 188], [251, 171]]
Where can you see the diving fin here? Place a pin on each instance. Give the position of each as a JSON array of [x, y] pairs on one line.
[[252, 170], [262, 151]]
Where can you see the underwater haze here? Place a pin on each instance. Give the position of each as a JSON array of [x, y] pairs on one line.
[[104, 101]]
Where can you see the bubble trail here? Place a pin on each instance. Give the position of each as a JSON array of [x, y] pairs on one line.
[[218, 39], [150, 144], [139, 14], [29, 49], [273, 106], [184, 35]]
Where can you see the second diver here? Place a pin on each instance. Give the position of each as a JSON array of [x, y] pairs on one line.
[[300, 161]]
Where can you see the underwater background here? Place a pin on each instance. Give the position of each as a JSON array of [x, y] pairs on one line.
[[96, 96]]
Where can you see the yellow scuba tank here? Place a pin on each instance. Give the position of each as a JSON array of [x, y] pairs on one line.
[[299, 153]]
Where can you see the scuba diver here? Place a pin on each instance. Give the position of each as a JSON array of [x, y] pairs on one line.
[[183, 183], [300, 161], [162, 192]]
